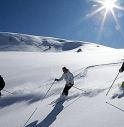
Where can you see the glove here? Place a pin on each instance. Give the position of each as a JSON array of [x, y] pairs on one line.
[[120, 70], [56, 79]]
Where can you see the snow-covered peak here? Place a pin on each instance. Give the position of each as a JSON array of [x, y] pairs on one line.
[[23, 42], [31, 43]]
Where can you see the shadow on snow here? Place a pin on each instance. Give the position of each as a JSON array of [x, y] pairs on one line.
[[50, 118], [10, 100], [25, 96]]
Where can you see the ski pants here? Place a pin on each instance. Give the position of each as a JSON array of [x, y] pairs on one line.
[[66, 89]]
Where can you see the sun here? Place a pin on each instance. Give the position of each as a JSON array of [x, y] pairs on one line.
[[109, 4], [106, 6]]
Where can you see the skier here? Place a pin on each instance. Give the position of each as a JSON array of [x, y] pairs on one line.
[[121, 70], [69, 78], [2, 84]]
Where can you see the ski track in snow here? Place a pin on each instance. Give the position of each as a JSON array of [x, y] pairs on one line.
[[84, 72]]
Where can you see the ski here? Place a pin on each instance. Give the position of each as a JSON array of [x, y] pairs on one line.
[[53, 102], [58, 100]]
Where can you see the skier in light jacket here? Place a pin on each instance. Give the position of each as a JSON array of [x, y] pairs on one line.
[[69, 78]]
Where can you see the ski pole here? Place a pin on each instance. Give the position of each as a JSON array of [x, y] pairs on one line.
[[115, 106], [38, 105], [112, 84], [8, 91], [48, 90], [79, 89]]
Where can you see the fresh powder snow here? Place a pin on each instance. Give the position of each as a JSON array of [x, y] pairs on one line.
[[29, 64]]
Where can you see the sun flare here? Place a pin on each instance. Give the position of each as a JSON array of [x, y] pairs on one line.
[[106, 6], [109, 4]]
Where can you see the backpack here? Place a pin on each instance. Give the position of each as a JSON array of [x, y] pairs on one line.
[[2, 83]]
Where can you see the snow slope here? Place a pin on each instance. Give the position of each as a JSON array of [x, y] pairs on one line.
[[29, 75]]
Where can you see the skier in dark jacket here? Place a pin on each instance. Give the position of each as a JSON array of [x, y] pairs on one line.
[[2, 84], [69, 78], [121, 70]]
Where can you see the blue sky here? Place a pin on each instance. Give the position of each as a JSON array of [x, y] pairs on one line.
[[63, 19]]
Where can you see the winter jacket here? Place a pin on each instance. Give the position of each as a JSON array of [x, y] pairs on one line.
[[69, 78], [122, 68], [2, 83]]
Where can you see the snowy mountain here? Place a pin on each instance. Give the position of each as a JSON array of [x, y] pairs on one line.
[[29, 76], [31, 43], [22, 42]]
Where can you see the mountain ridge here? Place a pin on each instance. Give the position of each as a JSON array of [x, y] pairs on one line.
[[31, 43]]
